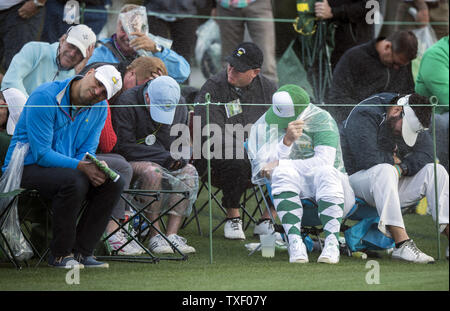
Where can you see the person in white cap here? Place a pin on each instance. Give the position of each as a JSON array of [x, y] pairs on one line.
[[295, 145], [61, 122], [143, 121], [388, 153], [40, 62]]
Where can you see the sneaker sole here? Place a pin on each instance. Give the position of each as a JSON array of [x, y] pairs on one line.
[[187, 251], [103, 265], [327, 260], [128, 254], [234, 238], [164, 251], [421, 262], [80, 266], [299, 261]]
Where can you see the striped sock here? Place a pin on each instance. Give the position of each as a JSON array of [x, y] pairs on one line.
[[290, 211], [330, 215]]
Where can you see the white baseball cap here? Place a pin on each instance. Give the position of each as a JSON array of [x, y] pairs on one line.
[[110, 77], [164, 94], [411, 126], [82, 37]]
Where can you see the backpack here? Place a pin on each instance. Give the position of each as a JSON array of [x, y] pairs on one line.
[[365, 236]]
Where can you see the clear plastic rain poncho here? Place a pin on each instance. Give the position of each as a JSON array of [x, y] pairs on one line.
[[264, 139], [182, 180], [10, 181]]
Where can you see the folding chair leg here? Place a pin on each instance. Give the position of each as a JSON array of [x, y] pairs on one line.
[[9, 253], [140, 212]]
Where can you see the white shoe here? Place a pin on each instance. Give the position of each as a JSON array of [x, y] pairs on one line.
[[297, 250], [180, 243], [266, 227], [233, 229], [409, 252], [134, 244], [330, 252], [117, 240], [159, 245]]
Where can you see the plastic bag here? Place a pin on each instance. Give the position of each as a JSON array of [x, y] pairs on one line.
[[10, 181], [264, 139], [136, 21], [208, 48], [426, 37], [71, 13]]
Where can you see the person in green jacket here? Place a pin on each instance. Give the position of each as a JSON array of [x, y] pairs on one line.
[[432, 80]]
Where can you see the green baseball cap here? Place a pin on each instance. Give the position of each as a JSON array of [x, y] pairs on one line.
[[288, 102]]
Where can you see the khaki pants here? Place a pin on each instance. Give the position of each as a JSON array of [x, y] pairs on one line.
[[437, 14], [262, 33], [380, 186]]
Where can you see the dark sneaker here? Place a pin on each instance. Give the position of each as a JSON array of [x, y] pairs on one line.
[[91, 262], [67, 262]]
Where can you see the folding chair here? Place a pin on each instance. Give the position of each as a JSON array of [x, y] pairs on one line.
[[372, 238], [244, 205], [127, 225], [310, 223], [19, 195]]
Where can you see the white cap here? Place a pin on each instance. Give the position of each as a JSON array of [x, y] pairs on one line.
[[110, 78], [411, 125], [82, 37]]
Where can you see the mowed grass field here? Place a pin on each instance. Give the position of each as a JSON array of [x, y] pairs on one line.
[[232, 269]]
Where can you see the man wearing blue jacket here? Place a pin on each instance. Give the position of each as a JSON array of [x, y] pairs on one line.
[[61, 122], [388, 153], [119, 48]]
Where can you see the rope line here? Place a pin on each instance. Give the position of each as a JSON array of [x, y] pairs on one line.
[[277, 20]]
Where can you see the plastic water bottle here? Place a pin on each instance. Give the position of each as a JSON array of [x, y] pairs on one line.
[[359, 255]]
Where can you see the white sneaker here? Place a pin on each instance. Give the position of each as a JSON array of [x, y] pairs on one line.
[[159, 245], [117, 240], [330, 252], [266, 227], [409, 252], [233, 229], [297, 250], [180, 243], [134, 244]]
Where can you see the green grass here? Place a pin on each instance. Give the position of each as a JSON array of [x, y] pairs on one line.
[[232, 269]]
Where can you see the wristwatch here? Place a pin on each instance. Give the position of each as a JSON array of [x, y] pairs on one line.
[[159, 48], [404, 169], [38, 4]]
